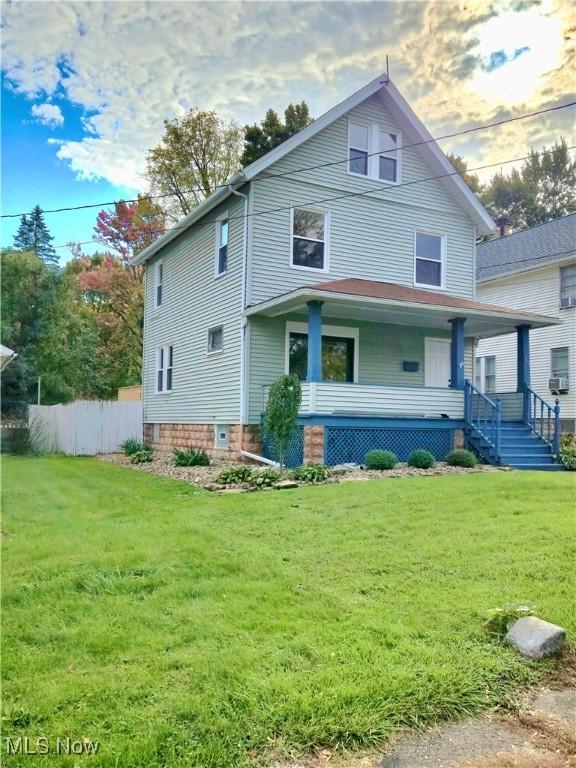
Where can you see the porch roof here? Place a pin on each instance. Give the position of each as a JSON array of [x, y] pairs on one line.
[[376, 301]]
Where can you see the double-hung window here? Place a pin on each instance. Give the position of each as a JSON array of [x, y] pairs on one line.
[[158, 282], [373, 152], [222, 249], [485, 374], [216, 339], [568, 286], [429, 259], [309, 239], [164, 363], [559, 362]]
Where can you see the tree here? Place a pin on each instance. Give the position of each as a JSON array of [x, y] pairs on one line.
[[33, 235], [260, 139], [196, 154], [461, 166], [130, 227], [281, 416], [542, 189]]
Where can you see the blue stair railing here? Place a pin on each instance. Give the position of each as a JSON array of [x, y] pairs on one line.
[[483, 418], [542, 418]]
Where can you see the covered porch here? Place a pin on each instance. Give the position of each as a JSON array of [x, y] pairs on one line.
[[376, 355]]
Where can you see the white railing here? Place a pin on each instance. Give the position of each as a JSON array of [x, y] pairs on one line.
[[376, 400]]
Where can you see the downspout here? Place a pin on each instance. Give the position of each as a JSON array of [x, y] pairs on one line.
[[243, 321]]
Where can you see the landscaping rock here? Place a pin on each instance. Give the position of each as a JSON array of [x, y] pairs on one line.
[[214, 487], [283, 484], [556, 705], [535, 638]]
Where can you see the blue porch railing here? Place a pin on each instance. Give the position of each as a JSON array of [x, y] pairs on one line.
[[483, 417], [542, 419]]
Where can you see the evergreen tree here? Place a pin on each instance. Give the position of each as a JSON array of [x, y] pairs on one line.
[[33, 235]]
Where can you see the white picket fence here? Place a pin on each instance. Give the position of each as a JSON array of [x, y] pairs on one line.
[[86, 427]]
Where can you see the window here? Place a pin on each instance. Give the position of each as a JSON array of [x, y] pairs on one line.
[[159, 274], [485, 374], [339, 352], [568, 286], [222, 250], [216, 339], [373, 152], [221, 436], [165, 360], [429, 251], [309, 239], [559, 362]]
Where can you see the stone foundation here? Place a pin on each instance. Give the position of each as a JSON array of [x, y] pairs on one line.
[[165, 437], [314, 445]]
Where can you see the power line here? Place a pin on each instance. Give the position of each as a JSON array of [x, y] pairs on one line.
[[533, 258], [304, 169], [339, 197]]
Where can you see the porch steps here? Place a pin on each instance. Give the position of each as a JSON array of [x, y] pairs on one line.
[[519, 448]]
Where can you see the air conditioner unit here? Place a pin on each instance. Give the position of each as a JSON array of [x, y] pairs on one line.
[[568, 301], [559, 385]]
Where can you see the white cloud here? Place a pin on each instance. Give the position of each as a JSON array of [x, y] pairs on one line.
[[48, 114], [131, 65]]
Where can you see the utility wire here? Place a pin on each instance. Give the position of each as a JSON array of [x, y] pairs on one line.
[[366, 192], [533, 258], [306, 168]]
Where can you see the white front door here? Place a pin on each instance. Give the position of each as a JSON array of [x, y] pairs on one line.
[[437, 363]]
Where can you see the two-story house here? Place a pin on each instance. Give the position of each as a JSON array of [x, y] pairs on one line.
[[534, 270], [346, 256]]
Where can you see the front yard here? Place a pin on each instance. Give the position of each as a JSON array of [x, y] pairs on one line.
[[182, 628]]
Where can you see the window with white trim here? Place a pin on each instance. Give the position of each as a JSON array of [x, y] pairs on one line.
[[216, 339], [568, 286], [485, 374], [164, 364], [158, 283], [222, 247], [309, 239], [429, 259], [373, 152], [559, 362]]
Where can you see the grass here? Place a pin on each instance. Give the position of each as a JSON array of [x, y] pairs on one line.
[[182, 628]]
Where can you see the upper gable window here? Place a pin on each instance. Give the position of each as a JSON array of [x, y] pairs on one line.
[[429, 259], [568, 287], [309, 239], [158, 283], [222, 247], [373, 152]]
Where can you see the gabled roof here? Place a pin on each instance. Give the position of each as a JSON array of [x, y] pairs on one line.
[[548, 243], [398, 105]]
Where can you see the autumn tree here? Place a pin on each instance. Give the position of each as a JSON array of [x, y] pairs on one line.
[[196, 154], [260, 138], [542, 189], [130, 227]]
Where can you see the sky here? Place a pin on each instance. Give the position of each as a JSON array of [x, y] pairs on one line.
[[86, 86]]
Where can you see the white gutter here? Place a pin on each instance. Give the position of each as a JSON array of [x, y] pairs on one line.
[[261, 459]]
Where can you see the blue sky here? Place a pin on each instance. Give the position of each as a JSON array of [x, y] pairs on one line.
[[86, 86]]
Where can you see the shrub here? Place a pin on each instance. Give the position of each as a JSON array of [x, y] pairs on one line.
[[234, 475], [501, 619], [132, 446], [378, 459], [311, 473], [568, 451], [460, 457], [281, 415], [421, 459], [190, 457], [265, 478], [142, 456]]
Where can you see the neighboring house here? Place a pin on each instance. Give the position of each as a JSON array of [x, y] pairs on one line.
[[533, 270], [339, 257]]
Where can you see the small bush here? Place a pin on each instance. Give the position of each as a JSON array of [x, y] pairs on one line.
[[265, 478], [190, 457], [460, 457], [568, 451], [143, 456], [421, 459], [131, 446], [501, 619], [311, 473], [234, 475], [378, 459]]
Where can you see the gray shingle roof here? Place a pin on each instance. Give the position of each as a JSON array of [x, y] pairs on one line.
[[537, 246]]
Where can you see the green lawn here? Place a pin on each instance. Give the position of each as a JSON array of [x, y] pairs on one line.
[[180, 628]]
